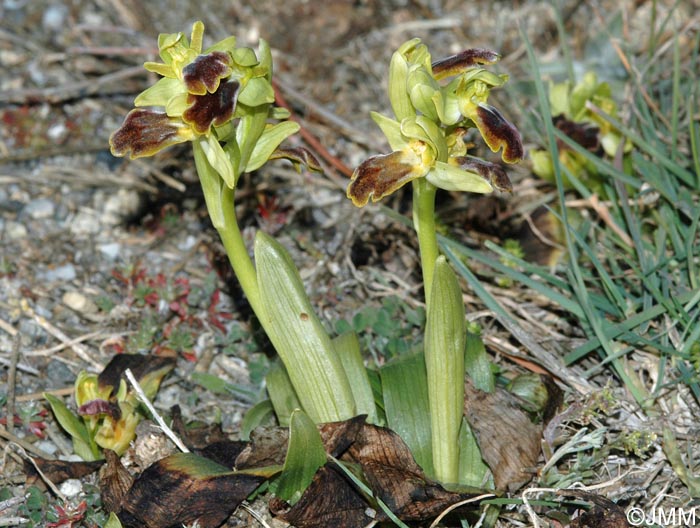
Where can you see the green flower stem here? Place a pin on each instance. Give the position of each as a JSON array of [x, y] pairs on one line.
[[424, 224], [237, 252]]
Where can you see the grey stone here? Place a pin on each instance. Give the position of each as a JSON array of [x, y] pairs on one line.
[[66, 272], [40, 208], [111, 250]]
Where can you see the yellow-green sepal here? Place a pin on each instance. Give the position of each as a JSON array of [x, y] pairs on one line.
[[270, 139]]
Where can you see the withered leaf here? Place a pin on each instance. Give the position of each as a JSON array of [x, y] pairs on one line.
[[604, 514], [508, 439], [268, 445], [142, 367], [115, 482], [330, 500], [198, 435], [541, 237], [58, 470], [184, 488], [395, 478]]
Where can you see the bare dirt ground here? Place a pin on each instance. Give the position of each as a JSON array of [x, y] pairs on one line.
[[85, 237]]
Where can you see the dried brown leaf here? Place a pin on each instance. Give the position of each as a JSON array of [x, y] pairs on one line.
[[182, 489], [330, 500], [395, 478], [58, 470], [115, 482], [508, 439]]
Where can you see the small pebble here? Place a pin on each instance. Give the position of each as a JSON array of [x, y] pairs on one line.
[[40, 208], [71, 487], [120, 206], [78, 302], [15, 230], [57, 132], [54, 17], [47, 446], [59, 374], [85, 223], [111, 250], [65, 272], [188, 243]]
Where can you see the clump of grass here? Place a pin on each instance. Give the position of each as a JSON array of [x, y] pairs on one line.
[[629, 276]]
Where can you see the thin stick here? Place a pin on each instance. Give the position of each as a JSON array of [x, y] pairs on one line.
[[80, 350], [144, 399], [23, 443], [66, 391], [46, 479], [58, 348], [457, 505], [254, 514], [7, 327], [81, 89], [12, 384], [21, 366]]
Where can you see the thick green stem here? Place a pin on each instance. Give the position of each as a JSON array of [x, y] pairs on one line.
[[237, 252], [424, 224]]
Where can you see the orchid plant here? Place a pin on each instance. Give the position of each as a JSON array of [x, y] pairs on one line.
[[426, 135], [221, 100]]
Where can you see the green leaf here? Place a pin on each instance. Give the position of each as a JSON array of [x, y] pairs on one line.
[[673, 455], [73, 425], [83, 446], [218, 159], [347, 347], [302, 343], [160, 93], [477, 361], [268, 142], [444, 361], [226, 45], [257, 415], [473, 471], [211, 185], [305, 455], [283, 397], [422, 89], [405, 391], [244, 57], [220, 386], [113, 521]]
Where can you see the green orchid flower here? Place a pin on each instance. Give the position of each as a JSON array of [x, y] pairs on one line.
[[572, 114], [197, 99], [108, 409], [427, 135]]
